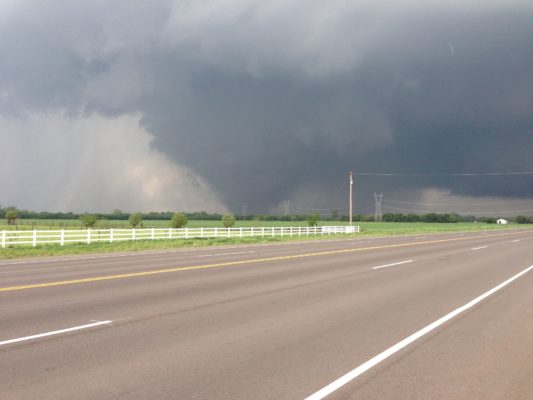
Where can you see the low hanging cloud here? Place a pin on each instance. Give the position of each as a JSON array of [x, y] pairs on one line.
[[268, 101]]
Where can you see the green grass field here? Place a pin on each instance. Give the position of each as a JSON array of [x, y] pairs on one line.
[[402, 228], [28, 224], [367, 229], [384, 228]]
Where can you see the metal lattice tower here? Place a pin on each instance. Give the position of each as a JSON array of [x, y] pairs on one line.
[[286, 207], [378, 214]]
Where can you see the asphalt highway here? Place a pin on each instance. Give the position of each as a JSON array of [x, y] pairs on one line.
[[442, 316]]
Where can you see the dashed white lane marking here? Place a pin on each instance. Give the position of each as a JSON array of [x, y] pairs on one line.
[[226, 254], [393, 264], [41, 335], [514, 241], [479, 248], [343, 380]]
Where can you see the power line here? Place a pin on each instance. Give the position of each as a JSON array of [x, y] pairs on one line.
[[444, 175], [312, 209], [450, 204], [304, 209], [459, 212]]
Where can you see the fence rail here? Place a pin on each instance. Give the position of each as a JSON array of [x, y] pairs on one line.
[[65, 236]]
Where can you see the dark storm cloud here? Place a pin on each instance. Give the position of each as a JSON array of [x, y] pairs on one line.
[[274, 100]]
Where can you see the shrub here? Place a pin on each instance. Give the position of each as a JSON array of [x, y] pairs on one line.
[[11, 215], [228, 220], [312, 220], [89, 220], [178, 220], [135, 219]]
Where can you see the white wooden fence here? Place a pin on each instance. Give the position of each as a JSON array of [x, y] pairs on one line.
[[64, 236]]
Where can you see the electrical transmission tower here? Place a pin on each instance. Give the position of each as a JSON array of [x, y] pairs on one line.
[[378, 214], [286, 207]]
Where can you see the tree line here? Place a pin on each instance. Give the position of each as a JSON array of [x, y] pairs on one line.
[[177, 219], [12, 214]]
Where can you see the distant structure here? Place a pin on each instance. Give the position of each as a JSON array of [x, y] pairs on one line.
[[286, 207], [244, 207], [502, 221], [378, 214]]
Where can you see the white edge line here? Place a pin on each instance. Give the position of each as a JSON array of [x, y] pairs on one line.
[[343, 380], [479, 248], [41, 335], [393, 264]]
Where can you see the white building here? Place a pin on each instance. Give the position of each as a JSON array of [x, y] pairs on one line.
[[502, 221]]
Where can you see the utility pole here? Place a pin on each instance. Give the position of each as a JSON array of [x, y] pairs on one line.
[[350, 175], [244, 207], [378, 214]]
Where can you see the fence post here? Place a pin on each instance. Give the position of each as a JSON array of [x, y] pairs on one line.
[[88, 235], [307, 231], [216, 232], [315, 231], [229, 232], [281, 231], [201, 232], [273, 232], [299, 231], [170, 233], [133, 234], [3, 239], [252, 232], [153, 234], [240, 232], [263, 232], [186, 233], [62, 237], [111, 235]]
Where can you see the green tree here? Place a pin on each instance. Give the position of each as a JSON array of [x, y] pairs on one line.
[[11, 215], [178, 220], [88, 220], [312, 220], [522, 219], [228, 220], [135, 219]]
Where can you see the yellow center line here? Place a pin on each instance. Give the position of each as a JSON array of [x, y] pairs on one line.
[[232, 263]]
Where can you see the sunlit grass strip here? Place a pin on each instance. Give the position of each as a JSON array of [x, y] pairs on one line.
[[367, 229]]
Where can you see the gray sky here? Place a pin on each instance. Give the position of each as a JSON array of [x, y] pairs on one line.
[[214, 104]]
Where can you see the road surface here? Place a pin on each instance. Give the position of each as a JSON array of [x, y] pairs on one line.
[[447, 316]]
